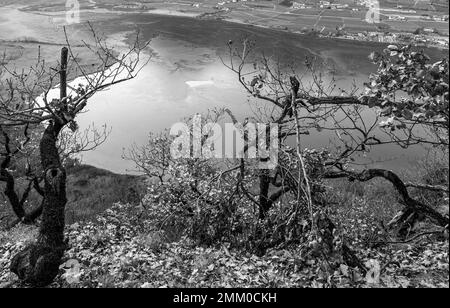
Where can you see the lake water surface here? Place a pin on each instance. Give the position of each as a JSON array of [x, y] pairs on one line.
[[185, 76]]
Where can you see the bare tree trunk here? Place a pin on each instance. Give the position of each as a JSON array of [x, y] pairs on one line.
[[11, 194], [38, 263], [8, 178], [17, 204], [411, 204], [412, 209]]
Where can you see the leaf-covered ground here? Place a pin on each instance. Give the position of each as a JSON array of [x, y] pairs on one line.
[[115, 251]]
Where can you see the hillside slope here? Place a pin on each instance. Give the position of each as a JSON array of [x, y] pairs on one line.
[[90, 191]]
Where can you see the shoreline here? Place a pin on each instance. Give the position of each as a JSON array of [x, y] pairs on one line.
[[176, 13], [215, 16]]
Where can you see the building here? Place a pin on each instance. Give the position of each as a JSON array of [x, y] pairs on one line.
[[397, 17], [299, 6], [429, 30]]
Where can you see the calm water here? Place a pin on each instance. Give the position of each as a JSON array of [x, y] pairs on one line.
[[178, 82], [185, 76]]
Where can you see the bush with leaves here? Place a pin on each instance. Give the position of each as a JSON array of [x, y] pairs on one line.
[[413, 95], [212, 201], [191, 202]]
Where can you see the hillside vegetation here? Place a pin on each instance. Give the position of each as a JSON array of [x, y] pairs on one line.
[[90, 191]]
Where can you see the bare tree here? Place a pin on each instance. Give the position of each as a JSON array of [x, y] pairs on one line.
[[302, 103], [21, 163], [15, 152], [27, 101], [153, 158]]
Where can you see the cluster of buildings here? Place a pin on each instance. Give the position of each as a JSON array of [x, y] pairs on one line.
[[397, 17], [395, 38], [439, 18], [229, 1], [435, 17], [131, 6], [426, 36], [332, 6], [421, 37], [300, 6]]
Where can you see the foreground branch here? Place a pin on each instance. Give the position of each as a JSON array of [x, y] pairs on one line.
[[412, 205]]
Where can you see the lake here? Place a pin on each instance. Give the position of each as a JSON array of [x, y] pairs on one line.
[[185, 76]]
